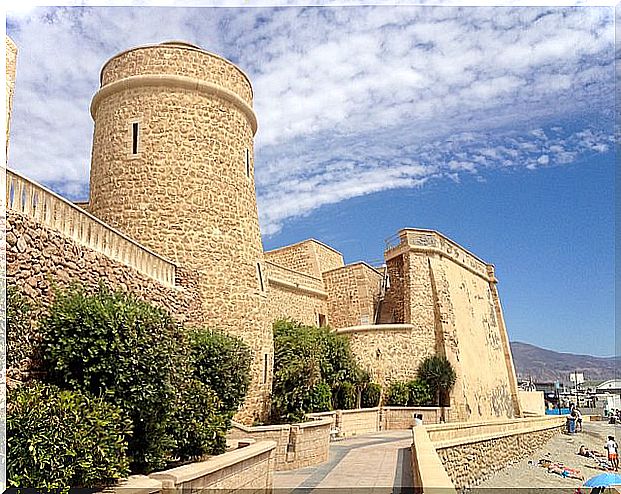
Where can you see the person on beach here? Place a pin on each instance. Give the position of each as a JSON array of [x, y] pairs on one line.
[[578, 420], [589, 453], [613, 452]]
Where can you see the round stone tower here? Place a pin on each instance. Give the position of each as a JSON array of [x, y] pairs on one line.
[[173, 167]]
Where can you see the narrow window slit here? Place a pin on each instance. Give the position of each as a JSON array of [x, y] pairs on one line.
[[135, 138], [247, 163]]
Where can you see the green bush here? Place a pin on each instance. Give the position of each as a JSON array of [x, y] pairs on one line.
[[371, 395], [60, 439], [419, 393], [398, 394], [21, 337], [111, 343], [196, 424], [310, 365], [222, 363], [346, 395]]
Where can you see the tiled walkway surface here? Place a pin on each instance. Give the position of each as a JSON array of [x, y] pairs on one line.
[[377, 462]]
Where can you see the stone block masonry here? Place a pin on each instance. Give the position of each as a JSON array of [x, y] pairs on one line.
[[41, 260], [11, 65], [173, 167]]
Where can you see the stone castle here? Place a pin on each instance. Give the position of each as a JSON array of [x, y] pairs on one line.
[[172, 216]]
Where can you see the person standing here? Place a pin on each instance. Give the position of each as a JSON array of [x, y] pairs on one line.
[[613, 452]]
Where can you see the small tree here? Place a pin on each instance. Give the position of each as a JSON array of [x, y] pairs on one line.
[[371, 395], [438, 373]]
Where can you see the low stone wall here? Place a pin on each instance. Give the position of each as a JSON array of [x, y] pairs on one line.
[[471, 452], [358, 421], [428, 472], [297, 445], [400, 418], [249, 470]]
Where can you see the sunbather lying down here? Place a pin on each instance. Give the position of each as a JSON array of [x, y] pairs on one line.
[[562, 470], [589, 453]]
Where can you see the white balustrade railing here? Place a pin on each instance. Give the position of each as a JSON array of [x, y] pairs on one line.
[[44, 206]]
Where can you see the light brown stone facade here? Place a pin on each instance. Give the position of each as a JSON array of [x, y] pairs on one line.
[[353, 294]]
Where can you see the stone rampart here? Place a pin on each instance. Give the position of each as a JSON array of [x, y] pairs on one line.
[[34, 201], [309, 256], [471, 452], [297, 445], [390, 352], [11, 64]]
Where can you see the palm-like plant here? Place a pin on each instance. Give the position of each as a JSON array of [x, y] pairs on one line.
[[439, 375]]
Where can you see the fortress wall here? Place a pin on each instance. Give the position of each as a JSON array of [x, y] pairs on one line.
[[390, 352], [40, 260], [309, 257], [353, 293], [11, 65], [294, 295], [297, 257], [326, 257], [292, 303], [393, 306], [473, 342]]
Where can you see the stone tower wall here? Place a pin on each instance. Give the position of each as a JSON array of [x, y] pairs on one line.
[[309, 256], [11, 65], [185, 186]]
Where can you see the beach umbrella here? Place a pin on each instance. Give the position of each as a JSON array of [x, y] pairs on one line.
[[603, 480]]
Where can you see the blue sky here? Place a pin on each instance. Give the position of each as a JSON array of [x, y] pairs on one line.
[[493, 125]]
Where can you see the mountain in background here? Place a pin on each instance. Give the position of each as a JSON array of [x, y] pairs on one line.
[[547, 366]]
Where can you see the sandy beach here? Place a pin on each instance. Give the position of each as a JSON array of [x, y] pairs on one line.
[[562, 448]]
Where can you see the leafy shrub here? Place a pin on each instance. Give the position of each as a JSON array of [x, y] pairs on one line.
[[222, 363], [346, 396], [59, 439], [398, 394], [111, 343], [419, 393], [371, 395], [310, 365], [196, 424], [438, 373], [21, 338]]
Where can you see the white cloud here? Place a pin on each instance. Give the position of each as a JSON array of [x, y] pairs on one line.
[[350, 101]]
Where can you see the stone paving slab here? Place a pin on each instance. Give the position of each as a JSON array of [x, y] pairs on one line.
[[375, 463]]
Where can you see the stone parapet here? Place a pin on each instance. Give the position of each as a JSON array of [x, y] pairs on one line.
[[431, 241], [26, 197], [297, 445], [295, 280]]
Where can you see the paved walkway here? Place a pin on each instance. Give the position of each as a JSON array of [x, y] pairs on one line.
[[379, 462]]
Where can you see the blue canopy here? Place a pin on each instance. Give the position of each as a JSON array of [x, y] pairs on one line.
[[603, 480]]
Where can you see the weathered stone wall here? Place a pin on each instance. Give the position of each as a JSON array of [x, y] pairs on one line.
[[451, 296], [41, 260], [391, 352], [471, 463], [392, 309], [297, 445], [11, 64], [309, 256], [472, 341], [188, 191], [353, 293], [297, 304]]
